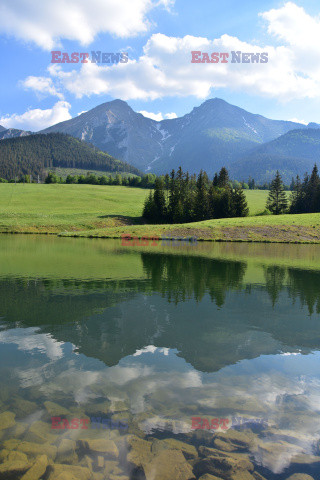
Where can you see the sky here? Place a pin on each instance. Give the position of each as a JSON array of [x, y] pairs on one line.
[[158, 79]]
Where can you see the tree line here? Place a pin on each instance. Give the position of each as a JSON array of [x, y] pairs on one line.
[[180, 197], [305, 197], [144, 181]]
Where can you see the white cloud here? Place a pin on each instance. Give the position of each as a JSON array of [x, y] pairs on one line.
[[38, 119], [41, 85], [155, 116], [296, 120], [47, 23], [165, 68], [171, 115], [158, 116]]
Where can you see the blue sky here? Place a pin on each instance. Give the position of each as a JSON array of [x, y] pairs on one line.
[[159, 78]]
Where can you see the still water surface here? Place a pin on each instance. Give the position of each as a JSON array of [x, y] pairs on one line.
[[151, 338]]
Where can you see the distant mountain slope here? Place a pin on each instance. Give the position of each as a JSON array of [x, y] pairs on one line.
[[212, 135], [12, 133], [33, 154], [293, 153], [2, 128]]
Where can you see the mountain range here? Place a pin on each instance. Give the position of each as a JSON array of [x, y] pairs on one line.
[[213, 135]]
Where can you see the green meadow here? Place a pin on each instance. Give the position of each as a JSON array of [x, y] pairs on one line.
[[110, 211]]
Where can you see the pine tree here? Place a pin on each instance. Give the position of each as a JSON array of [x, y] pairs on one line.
[[148, 208], [159, 201], [239, 203], [201, 208], [223, 179], [215, 181], [312, 191], [277, 201]]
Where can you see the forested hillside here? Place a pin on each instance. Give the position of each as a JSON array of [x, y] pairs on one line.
[[34, 154]]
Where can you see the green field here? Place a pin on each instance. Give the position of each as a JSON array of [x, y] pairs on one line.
[[109, 211]]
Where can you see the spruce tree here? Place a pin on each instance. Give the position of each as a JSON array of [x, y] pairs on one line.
[[223, 179], [239, 203], [159, 201], [201, 209], [277, 201], [148, 208]]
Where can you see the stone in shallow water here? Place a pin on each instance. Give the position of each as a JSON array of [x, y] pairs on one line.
[[95, 409], [17, 457], [167, 465], [13, 468], [189, 451], [118, 477], [139, 451], [41, 432], [233, 440], [207, 476], [100, 445], [68, 472], [37, 469], [11, 444], [66, 452], [56, 410], [257, 476], [19, 429], [119, 406], [111, 467], [22, 407], [4, 454], [301, 460], [300, 476], [36, 449], [225, 466], [159, 464], [276, 455], [7, 420]]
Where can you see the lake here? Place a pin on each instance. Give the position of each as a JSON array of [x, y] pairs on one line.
[[158, 363]]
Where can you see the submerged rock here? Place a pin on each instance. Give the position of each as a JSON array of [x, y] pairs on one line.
[[100, 445], [56, 410], [111, 467], [23, 407], [66, 452], [7, 420], [12, 468], [37, 469], [36, 449], [41, 432], [233, 440], [168, 465], [19, 429], [95, 409], [207, 476], [156, 461], [225, 466], [189, 451], [139, 451], [68, 472], [300, 476]]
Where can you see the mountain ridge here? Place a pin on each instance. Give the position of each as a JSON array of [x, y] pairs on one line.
[[212, 135]]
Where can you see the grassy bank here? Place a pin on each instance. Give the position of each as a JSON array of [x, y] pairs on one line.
[[110, 211]]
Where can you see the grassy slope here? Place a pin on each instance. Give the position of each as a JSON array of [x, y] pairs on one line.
[[109, 211]]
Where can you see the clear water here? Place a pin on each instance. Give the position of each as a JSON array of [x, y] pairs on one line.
[[161, 335]]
